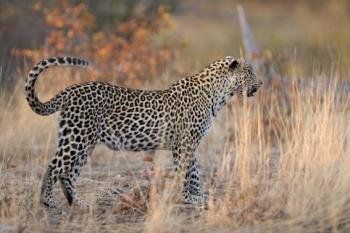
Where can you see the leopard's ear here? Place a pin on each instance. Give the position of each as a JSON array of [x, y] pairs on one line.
[[233, 65]]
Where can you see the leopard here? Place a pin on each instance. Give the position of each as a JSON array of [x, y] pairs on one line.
[[176, 119]]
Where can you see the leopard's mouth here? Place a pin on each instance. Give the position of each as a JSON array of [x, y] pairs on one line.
[[252, 91]]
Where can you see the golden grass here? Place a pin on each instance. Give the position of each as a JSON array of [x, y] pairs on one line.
[[266, 168]]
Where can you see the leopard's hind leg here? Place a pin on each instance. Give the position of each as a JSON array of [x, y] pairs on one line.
[[72, 153], [69, 178], [50, 178], [78, 143]]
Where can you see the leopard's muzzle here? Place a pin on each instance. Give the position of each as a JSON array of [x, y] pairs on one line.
[[254, 88]]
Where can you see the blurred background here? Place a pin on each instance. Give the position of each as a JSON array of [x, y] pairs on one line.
[[278, 162], [133, 42]]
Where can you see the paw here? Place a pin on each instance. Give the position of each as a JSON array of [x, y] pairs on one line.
[[197, 198], [82, 203]]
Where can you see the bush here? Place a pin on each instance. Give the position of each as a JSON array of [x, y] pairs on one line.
[[128, 50]]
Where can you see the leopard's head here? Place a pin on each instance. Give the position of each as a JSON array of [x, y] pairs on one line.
[[227, 77], [241, 78]]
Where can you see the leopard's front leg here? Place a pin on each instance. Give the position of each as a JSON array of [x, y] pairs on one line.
[[186, 166]]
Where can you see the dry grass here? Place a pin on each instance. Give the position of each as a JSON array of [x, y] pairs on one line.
[[266, 168]]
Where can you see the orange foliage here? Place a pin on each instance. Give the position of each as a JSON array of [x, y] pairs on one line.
[[127, 53]]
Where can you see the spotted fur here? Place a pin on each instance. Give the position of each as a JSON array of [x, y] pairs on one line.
[[175, 119]]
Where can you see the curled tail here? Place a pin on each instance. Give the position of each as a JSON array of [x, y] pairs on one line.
[[52, 105]]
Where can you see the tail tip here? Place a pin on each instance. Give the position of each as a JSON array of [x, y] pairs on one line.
[[79, 61], [85, 63]]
